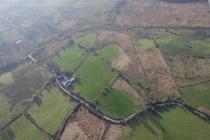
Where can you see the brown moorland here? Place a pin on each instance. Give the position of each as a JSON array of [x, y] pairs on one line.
[[157, 73], [164, 13], [84, 126]]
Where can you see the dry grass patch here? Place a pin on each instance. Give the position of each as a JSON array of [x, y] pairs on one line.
[[203, 109], [53, 47], [122, 39], [66, 25], [189, 69], [73, 131], [157, 73], [135, 71], [115, 132], [122, 61], [164, 14], [124, 86], [84, 126]]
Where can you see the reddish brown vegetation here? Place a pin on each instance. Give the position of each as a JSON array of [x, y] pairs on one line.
[[123, 40], [84, 126], [157, 73], [164, 14], [66, 25], [190, 69], [123, 85], [122, 61], [114, 132]]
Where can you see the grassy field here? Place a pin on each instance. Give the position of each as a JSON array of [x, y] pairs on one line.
[[116, 104], [168, 124], [6, 78], [69, 58], [144, 44], [19, 88], [181, 45], [21, 129], [177, 49], [28, 79], [51, 113], [5, 113], [86, 41], [94, 74], [109, 52], [197, 96]]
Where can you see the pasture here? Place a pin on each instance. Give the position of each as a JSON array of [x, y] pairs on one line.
[[53, 109], [184, 45], [116, 104], [144, 44], [21, 129], [94, 75], [198, 95], [72, 55], [20, 86], [168, 124], [109, 52], [6, 78], [5, 113], [69, 58], [86, 41]]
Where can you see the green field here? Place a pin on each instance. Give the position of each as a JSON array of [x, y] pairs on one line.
[[94, 74], [86, 41], [182, 45], [18, 89], [22, 129], [69, 58], [198, 95], [5, 113], [168, 124], [109, 52], [176, 50], [144, 44], [116, 104], [6, 78], [53, 110]]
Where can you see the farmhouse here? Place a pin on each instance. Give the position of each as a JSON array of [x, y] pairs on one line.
[[66, 81], [69, 82]]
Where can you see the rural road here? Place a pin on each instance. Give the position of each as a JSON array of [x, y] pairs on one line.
[[134, 114]]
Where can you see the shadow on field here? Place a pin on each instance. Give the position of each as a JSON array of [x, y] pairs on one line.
[[150, 121], [7, 134]]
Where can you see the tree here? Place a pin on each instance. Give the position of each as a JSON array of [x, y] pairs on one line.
[[71, 43], [37, 100]]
